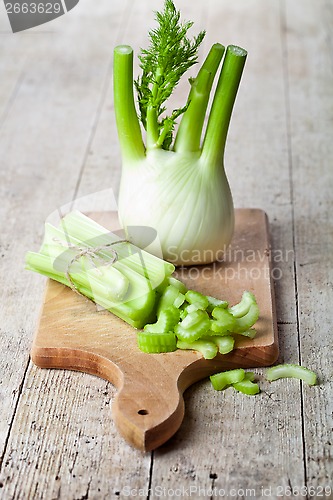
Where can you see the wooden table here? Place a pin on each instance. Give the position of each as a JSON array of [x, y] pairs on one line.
[[58, 142]]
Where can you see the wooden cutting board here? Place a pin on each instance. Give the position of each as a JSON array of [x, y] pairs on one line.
[[149, 408]]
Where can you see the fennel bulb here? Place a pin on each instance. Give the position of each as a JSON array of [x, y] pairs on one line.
[[190, 207], [177, 188]]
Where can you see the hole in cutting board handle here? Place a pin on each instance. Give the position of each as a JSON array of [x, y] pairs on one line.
[[143, 412]]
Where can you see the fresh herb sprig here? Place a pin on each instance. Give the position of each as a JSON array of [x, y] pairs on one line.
[[170, 54]]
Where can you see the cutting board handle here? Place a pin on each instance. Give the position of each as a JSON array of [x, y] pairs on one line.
[[149, 406]]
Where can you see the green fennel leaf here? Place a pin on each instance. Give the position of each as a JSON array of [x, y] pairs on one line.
[[170, 54]]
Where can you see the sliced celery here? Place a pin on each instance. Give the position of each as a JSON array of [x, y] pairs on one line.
[[247, 386], [191, 308], [213, 302], [243, 307], [250, 333], [156, 342], [225, 343], [223, 320], [178, 284], [224, 379], [208, 349], [250, 376], [246, 322], [197, 299], [291, 371], [170, 297], [194, 326], [167, 320]]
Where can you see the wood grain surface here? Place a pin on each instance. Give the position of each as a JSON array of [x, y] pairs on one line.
[[74, 334], [58, 141]]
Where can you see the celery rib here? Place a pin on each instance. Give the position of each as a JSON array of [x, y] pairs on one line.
[[156, 342], [222, 380], [291, 371], [247, 386], [206, 348]]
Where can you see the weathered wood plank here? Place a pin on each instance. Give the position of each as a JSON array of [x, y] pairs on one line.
[[236, 431], [311, 118], [62, 442], [43, 144]]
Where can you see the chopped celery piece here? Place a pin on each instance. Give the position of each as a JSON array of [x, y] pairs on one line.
[[249, 376], [167, 320], [156, 342], [183, 312], [213, 302], [194, 326], [191, 308], [212, 334], [178, 284], [246, 322], [225, 343], [250, 333], [291, 371], [223, 322], [196, 299], [243, 307], [208, 349], [224, 379], [247, 386], [170, 297]]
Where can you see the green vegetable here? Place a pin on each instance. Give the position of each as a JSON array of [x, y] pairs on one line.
[[178, 284], [213, 302], [291, 371], [79, 254], [250, 333], [167, 320], [247, 386], [170, 54], [225, 344], [170, 297], [177, 187], [243, 307], [138, 288], [194, 326], [197, 299], [156, 342], [224, 379], [246, 313], [208, 349], [223, 321]]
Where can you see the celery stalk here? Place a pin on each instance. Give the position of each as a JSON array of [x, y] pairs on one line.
[[90, 233], [222, 380], [122, 289], [291, 371]]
